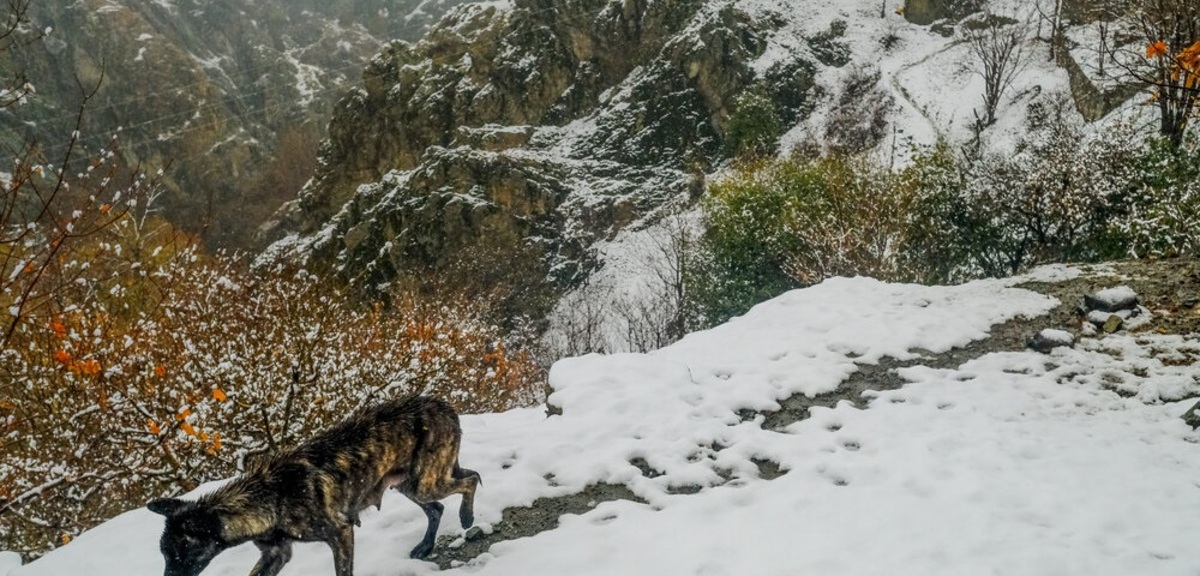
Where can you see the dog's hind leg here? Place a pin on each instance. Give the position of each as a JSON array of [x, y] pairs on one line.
[[465, 482], [274, 555], [439, 475], [433, 511]]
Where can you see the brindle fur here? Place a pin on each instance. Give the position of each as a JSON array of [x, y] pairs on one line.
[[315, 491]]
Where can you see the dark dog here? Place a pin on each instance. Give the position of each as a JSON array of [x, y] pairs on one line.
[[315, 491]]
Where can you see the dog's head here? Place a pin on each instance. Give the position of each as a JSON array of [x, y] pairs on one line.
[[192, 537]]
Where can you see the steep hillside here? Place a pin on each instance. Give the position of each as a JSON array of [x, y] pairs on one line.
[[231, 96], [548, 125], [533, 129]]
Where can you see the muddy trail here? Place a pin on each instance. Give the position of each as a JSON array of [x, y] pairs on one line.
[[1169, 288]]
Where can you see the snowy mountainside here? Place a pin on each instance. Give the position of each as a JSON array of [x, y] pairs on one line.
[[1016, 462], [557, 126]]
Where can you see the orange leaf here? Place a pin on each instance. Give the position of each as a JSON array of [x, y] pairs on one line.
[[160, 370], [104, 208], [58, 329], [183, 415], [187, 429], [1156, 49], [216, 443], [153, 426], [90, 367], [219, 394], [62, 356]]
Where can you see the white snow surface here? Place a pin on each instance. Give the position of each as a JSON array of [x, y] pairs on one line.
[[1057, 336], [1115, 295], [1015, 463]]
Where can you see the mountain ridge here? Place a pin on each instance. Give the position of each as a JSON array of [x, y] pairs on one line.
[[230, 98], [596, 144]]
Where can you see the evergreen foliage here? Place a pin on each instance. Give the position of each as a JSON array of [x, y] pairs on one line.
[[1065, 196], [1164, 202], [754, 127]]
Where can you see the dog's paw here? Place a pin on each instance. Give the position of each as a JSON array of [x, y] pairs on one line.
[[467, 517], [422, 550]]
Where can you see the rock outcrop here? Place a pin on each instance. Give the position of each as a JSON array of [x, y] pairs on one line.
[[215, 92], [546, 125]]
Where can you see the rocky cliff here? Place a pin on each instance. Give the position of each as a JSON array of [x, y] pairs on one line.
[[537, 125], [536, 128], [231, 97]]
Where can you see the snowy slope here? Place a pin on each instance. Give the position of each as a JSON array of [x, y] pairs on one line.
[[933, 89], [586, 146], [1016, 463]]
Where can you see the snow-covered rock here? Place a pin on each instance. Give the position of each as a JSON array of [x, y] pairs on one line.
[[1112, 299], [1051, 338]]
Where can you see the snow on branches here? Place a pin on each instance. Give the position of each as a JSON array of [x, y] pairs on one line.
[[155, 367]]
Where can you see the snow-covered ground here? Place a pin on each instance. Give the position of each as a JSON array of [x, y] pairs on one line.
[[1015, 463], [935, 87]]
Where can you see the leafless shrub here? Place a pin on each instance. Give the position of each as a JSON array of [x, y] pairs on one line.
[[858, 120], [999, 50], [645, 308], [656, 313]]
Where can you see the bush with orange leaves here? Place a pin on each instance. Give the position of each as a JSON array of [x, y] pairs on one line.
[[151, 368]]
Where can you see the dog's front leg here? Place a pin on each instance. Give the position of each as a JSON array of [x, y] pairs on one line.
[[342, 543], [433, 511], [274, 555]]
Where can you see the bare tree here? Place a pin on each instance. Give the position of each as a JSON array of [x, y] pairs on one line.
[[1053, 17], [14, 31], [578, 325], [50, 204], [658, 315], [635, 312], [1104, 12], [1000, 50], [1165, 56]]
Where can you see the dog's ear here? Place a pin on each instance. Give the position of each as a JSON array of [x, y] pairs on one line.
[[166, 506]]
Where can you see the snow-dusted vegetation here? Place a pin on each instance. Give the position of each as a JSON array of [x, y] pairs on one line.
[[136, 366], [1017, 462], [626, 240]]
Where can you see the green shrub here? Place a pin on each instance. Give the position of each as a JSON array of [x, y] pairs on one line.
[[775, 225], [1065, 196], [1061, 198], [951, 239], [1163, 218], [741, 253], [754, 127]]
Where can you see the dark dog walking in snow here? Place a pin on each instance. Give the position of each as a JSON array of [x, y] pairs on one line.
[[315, 491]]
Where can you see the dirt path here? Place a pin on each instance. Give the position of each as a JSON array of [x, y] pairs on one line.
[[1170, 289]]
